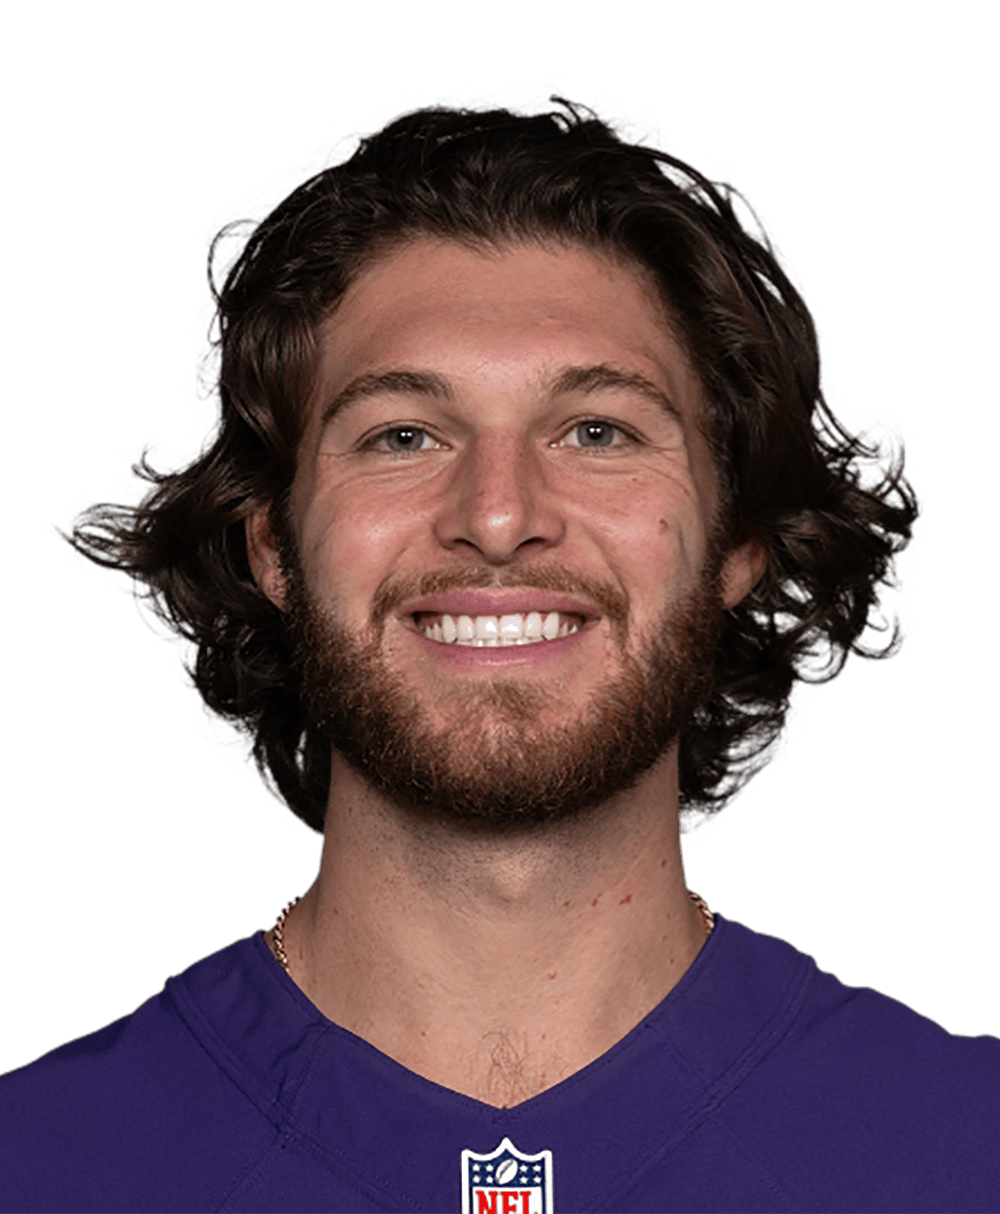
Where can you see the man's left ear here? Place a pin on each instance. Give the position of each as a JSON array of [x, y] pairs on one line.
[[741, 571]]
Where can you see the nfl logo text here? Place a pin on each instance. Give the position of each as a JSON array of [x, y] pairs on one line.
[[507, 1181]]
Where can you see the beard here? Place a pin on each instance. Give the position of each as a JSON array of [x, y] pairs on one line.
[[492, 764]]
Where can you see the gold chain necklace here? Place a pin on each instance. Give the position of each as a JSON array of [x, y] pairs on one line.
[[707, 918]]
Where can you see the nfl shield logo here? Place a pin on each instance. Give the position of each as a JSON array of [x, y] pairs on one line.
[[506, 1181]]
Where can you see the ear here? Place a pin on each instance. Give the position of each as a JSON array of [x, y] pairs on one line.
[[262, 552], [741, 571]]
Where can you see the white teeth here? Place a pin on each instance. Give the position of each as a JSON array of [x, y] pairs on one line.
[[491, 631], [487, 628], [466, 628], [511, 627]]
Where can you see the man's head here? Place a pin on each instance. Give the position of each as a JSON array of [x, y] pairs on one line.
[[438, 361], [506, 437]]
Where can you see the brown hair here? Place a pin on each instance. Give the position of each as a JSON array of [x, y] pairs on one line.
[[828, 516]]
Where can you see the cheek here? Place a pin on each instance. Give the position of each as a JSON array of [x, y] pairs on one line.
[[349, 544], [654, 537]]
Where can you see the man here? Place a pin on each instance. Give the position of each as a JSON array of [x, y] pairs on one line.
[[524, 515]]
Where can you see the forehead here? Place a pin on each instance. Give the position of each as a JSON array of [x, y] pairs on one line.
[[512, 314]]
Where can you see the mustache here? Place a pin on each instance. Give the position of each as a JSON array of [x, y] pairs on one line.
[[613, 602]]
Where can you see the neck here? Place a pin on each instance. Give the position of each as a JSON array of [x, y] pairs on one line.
[[495, 965]]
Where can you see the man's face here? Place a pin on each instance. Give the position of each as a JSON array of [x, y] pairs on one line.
[[504, 585]]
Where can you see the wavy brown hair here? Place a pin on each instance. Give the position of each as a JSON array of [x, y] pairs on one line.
[[829, 510]]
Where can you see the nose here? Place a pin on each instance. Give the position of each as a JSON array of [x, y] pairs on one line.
[[498, 501]]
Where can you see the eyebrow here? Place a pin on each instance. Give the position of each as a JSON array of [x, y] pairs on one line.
[[406, 383], [599, 378], [604, 377]]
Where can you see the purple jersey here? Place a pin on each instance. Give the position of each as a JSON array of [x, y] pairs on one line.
[[760, 1083]]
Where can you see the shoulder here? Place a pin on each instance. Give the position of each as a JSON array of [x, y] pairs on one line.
[[880, 1053], [854, 1092], [141, 1106]]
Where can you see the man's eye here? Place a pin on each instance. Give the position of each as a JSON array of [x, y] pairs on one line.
[[595, 434], [402, 439]]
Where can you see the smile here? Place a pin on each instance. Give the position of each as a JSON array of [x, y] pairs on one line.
[[493, 631]]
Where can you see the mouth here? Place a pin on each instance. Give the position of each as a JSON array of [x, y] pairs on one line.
[[497, 631]]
